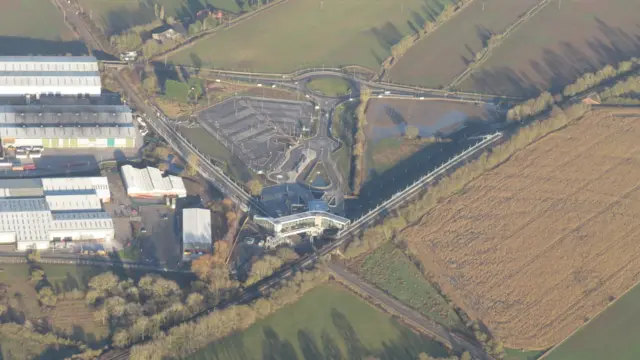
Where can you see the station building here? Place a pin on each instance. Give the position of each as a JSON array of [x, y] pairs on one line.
[[49, 75], [309, 222], [67, 126]]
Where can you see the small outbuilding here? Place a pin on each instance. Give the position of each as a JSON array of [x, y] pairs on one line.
[[196, 232]]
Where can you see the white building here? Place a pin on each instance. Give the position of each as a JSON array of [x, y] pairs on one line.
[[49, 75], [310, 222], [31, 223], [98, 185], [149, 183], [67, 126], [196, 231]]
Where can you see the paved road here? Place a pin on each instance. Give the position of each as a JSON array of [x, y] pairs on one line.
[[414, 318], [161, 124]]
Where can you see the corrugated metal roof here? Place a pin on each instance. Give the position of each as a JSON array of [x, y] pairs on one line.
[[196, 229], [47, 115], [150, 180], [73, 202], [69, 79], [98, 185], [23, 205], [48, 63], [68, 132], [85, 221]]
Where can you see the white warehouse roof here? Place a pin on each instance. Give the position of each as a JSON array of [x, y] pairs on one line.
[[150, 182], [73, 202], [22, 75], [196, 230], [49, 63], [80, 185]]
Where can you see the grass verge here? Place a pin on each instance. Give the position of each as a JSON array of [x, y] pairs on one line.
[[392, 271], [330, 86]]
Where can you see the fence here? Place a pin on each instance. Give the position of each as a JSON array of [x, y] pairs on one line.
[[402, 195]]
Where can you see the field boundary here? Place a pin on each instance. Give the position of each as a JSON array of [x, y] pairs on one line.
[[483, 55], [206, 34], [549, 351], [391, 61]]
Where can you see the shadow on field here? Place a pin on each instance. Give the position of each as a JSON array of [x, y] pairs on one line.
[[122, 18], [560, 68], [324, 347], [22, 46], [380, 187]]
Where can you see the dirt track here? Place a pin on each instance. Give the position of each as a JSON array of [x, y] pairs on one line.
[[539, 244]]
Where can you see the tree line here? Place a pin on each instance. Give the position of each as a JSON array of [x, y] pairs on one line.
[[545, 101], [189, 337], [401, 47], [360, 143]]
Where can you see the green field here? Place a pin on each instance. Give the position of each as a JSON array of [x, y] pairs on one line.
[[611, 335], [305, 33], [327, 323], [513, 354], [32, 19], [392, 271], [330, 86], [115, 16]]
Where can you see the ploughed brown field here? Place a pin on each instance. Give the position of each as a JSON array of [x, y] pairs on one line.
[[544, 241]]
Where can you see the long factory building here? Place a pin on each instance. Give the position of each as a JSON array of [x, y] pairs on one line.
[[49, 76], [67, 126], [41, 213]]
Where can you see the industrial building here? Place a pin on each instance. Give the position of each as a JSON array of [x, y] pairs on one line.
[[150, 183], [196, 232], [97, 186], [49, 75], [67, 126], [41, 213]]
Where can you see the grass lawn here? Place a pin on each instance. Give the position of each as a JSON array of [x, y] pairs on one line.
[[37, 19], [611, 335], [392, 271], [115, 16], [305, 33], [210, 146], [35, 27], [330, 86], [327, 323]]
